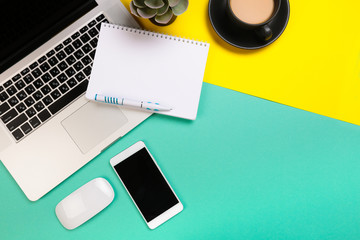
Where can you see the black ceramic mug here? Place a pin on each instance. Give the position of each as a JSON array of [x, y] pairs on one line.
[[257, 19]]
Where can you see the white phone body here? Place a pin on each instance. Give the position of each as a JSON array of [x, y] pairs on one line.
[[121, 169]]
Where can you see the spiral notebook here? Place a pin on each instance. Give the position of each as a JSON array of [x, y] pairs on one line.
[[147, 66]]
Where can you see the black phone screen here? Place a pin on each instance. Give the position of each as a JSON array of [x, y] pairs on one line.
[[146, 185]]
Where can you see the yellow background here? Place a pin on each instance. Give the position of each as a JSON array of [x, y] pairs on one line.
[[314, 65]]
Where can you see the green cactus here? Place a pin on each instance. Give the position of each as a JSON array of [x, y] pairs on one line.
[[159, 11]]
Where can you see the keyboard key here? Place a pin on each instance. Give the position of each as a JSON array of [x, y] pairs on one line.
[[54, 72], [11, 90], [59, 47], [50, 53], [25, 71], [44, 67], [47, 100], [26, 128], [39, 106], [3, 108], [20, 84], [86, 60], [9, 115], [67, 41], [62, 78], [18, 134], [35, 122], [84, 29], [87, 48], [78, 66], [44, 115], [42, 59], [30, 112], [3, 96], [28, 78], [70, 60], [36, 73], [63, 88], [38, 83], [87, 71], [1, 88], [75, 35], [55, 94], [13, 101], [69, 49], [29, 101], [85, 38], [93, 32], [46, 77], [17, 122], [33, 65], [30, 89], [37, 96], [62, 66], [100, 17], [92, 23], [15, 78], [9, 82], [78, 54], [94, 42], [21, 95], [92, 54], [72, 82], [70, 72], [77, 43], [53, 61], [46, 89], [68, 97], [61, 55], [98, 26], [21, 107], [54, 84], [80, 76]]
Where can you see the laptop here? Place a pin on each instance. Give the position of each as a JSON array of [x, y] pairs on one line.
[[48, 130]]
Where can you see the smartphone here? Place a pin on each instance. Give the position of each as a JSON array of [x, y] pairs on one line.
[[146, 185]]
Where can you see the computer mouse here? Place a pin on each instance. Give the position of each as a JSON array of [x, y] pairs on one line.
[[84, 203]]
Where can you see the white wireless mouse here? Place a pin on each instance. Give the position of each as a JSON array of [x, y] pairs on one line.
[[84, 203]]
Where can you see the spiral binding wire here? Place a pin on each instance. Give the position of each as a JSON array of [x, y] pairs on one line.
[[155, 34]]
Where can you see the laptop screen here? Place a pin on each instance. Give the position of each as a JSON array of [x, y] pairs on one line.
[[26, 25]]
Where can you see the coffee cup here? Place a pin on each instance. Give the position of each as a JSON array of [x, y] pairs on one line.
[[254, 15]]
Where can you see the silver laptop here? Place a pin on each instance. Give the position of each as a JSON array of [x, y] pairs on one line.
[[48, 130]]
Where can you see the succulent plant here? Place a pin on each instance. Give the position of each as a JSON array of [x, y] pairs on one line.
[[159, 11]]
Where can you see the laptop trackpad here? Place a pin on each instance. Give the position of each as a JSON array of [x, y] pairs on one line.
[[92, 123]]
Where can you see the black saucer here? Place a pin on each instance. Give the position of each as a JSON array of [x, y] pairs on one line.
[[245, 39]]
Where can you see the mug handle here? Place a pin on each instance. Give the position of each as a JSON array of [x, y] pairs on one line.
[[264, 32]]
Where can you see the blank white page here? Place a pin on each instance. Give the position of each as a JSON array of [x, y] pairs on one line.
[[146, 66]]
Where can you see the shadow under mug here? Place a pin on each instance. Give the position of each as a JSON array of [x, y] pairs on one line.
[[262, 30]]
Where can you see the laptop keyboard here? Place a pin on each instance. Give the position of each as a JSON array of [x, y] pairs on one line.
[[47, 85]]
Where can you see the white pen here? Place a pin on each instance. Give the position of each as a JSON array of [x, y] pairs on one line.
[[146, 105]]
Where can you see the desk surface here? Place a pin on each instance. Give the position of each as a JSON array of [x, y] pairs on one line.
[[314, 65], [247, 168]]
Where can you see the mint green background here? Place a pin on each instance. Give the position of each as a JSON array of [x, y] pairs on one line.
[[247, 168]]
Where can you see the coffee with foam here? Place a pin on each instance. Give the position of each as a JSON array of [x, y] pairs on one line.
[[252, 11]]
